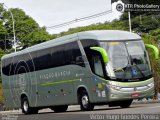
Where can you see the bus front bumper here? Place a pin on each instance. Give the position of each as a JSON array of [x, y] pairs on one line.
[[145, 90]]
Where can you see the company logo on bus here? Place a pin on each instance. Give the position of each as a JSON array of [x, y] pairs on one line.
[[135, 88]]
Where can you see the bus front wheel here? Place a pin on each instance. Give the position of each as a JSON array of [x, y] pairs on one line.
[[84, 102], [126, 103], [26, 109]]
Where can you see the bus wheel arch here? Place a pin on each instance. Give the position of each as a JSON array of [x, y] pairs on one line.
[[79, 91], [26, 109], [83, 99], [23, 95]]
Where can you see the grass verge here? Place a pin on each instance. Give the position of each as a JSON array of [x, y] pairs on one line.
[[1, 94]]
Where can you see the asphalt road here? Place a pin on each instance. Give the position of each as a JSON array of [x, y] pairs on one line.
[[136, 111]]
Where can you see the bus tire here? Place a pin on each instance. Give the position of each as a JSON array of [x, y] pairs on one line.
[[61, 108], [26, 109], [126, 103], [84, 102]]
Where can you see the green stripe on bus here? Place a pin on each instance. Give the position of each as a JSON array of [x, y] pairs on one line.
[[59, 82], [103, 53]]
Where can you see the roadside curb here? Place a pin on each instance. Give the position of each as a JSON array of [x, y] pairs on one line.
[[145, 101]]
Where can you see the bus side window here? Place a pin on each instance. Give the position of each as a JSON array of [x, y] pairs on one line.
[[43, 59], [4, 67], [57, 55], [68, 54], [78, 59], [73, 54]]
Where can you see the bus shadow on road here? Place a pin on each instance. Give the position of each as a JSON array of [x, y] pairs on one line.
[[97, 108], [88, 112]]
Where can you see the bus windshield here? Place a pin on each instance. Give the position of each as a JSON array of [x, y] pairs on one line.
[[128, 60]]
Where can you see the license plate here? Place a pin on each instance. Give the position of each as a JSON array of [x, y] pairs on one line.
[[135, 95]]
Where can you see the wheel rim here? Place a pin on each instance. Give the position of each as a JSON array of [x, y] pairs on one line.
[[85, 101], [25, 106]]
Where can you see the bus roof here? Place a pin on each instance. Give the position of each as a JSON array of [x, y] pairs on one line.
[[109, 35], [102, 35]]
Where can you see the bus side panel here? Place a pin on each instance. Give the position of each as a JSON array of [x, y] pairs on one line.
[[16, 85], [11, 92], [56, 86]]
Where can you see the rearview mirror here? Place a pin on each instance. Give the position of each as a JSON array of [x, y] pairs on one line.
[[102, 51], [155, 49]]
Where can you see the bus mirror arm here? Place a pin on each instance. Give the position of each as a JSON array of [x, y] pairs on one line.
[[155, 49], [102, 51]]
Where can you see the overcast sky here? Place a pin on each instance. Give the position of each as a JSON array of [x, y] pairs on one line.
[[53, 12]]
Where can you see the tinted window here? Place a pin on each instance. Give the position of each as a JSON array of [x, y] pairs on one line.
[[30, 60], [6, 66], [86, 45], [58, 56], [44, 59], [73, 54], [89, 43]]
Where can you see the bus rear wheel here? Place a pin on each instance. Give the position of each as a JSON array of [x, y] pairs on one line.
[[126, 103], [26, 109], [61, 108], [84, 102]]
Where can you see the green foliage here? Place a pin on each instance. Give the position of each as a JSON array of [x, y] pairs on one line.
[[141, 23], [36, 37], [27, 31], [114, 25], [1, 54], [3, 34], [1, 94], [156, 33]]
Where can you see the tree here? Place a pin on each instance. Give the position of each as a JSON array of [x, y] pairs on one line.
[[35, 37], [1, 54], [27, 31], [3, 34]]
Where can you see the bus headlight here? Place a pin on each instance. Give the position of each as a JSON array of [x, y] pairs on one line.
[[114, 87], [150, 85]]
